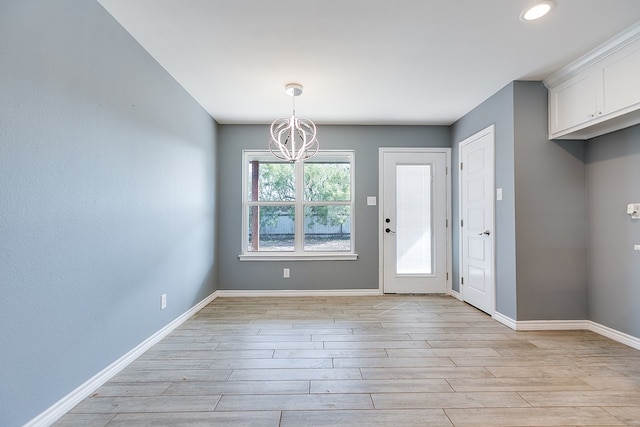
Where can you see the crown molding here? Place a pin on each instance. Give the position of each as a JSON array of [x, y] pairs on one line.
[[594, 56]]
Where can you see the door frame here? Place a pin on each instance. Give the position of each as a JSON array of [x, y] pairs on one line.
[[490, 130], [448, 251]]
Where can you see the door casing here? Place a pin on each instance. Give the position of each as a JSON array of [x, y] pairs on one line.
[[490, 130]]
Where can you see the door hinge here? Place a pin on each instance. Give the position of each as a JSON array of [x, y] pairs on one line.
[[447, 276], [461, 167], [446, 223], [462, 223], [462, 280], [446, 170]]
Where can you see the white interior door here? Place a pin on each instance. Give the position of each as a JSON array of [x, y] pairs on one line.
[[477, 220], [414, 217]]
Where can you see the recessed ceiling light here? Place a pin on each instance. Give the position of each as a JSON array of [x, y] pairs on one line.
[[538, 10]]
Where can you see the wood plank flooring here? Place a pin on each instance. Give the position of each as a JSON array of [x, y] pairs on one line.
[[367, 361]]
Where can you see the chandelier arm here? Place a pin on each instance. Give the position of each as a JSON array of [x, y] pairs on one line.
[[277, 125], [283, 145], [308, 140], [276, 151], [277, 128], [303, 139], [315, 151], [308, 124]]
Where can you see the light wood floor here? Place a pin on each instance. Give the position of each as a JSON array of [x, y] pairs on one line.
[[367, 361]]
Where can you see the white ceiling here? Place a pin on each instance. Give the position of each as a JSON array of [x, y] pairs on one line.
[[361, 61]]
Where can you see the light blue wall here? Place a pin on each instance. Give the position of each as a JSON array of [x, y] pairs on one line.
[[107, 193], [311, 275], [613, 181], [498, 111]]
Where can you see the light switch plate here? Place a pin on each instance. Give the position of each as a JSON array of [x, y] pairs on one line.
[[371, 200], [498, 193]]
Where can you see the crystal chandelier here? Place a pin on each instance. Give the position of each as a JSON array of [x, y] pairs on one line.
[[293, 138]]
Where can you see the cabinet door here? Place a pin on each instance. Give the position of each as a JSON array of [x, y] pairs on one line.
[[621, 79], [574, 101]]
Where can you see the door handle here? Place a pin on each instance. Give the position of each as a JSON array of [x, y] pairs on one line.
[[388, 230], [485, 232]]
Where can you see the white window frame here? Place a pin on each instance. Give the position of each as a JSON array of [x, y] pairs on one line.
[[298, 253]]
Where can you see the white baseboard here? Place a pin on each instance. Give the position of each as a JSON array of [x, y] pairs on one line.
[[300, 293], [507, 321], [64, 405], [551, 325], [457, 295], [615, 335], [569, 325]]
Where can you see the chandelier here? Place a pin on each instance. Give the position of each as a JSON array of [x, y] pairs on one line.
[[293, 138]]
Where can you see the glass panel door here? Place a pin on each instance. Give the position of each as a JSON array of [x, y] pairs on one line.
[[414, 240], [414, 217]]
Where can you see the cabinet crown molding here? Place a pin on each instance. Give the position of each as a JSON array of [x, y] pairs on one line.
[[595, 55]]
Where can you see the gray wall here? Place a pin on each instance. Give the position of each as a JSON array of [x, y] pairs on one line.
[[551, 219], [314, 275], [106, 202], [497, 110], [613, 181], [541, 221]]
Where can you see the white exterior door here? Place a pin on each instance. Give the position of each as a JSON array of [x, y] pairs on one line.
[[413, 220], [477, 220]]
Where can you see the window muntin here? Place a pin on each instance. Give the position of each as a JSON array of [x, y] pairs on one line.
[[298, 209]]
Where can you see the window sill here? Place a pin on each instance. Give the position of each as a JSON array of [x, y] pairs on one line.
[[329, 256]]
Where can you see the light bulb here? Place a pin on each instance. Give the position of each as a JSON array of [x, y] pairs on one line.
[[537, 11]]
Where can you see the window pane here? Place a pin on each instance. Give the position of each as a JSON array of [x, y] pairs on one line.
[[413, 238], [327, 182], [327, 228], [271, 228], [271, 181]]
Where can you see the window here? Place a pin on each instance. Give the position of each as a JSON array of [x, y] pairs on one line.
[[298, 210]]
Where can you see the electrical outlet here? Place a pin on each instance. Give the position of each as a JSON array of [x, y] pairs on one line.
[[286, 273], [163, 301], [636, 247]]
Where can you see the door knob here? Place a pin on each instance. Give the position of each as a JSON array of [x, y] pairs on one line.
[[388, 220], [485, 232]]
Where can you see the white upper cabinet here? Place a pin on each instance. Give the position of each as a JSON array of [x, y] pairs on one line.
[[621, 78], [574, 102], [598, 93]]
